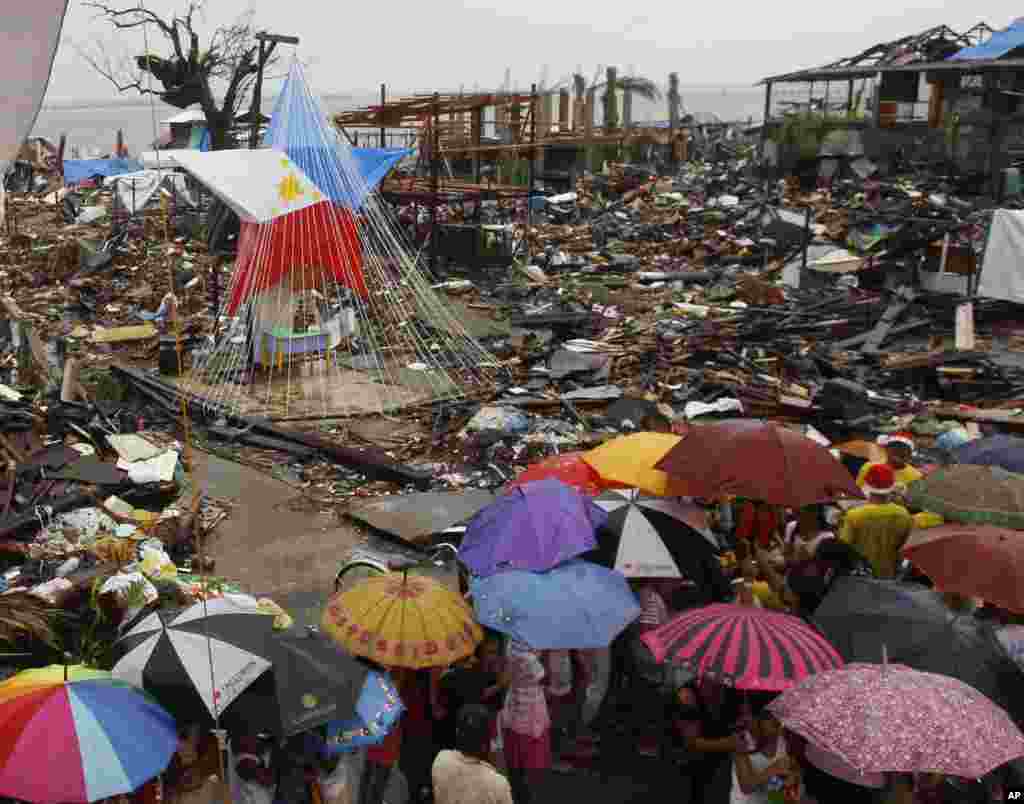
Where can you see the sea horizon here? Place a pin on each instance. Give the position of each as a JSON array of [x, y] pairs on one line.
[[92, 125]]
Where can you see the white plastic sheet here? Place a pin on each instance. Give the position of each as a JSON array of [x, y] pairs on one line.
[[1002, 274]]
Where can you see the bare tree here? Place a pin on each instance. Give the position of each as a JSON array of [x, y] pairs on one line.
[[219, 77]]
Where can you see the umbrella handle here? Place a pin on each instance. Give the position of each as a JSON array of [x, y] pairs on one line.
[[222, 747]]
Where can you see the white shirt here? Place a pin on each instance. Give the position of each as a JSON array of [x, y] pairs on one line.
[[459, 779], [792, 537]]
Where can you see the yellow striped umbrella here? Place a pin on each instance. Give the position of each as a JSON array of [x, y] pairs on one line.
[[400, 620]]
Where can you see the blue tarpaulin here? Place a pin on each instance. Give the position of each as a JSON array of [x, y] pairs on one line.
[[1000, 43], [76, 170]]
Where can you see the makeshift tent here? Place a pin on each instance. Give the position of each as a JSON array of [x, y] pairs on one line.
[[998, 45], [78, 170], [327, 312], [134, 190], [1002, 272], [28, 40]]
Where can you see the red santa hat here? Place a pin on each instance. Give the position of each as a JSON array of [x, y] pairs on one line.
[[880, 479], [897, 438]]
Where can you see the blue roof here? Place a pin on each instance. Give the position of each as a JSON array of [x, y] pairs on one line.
[[998, 45]]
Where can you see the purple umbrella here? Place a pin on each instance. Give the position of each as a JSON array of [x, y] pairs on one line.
[[534, 527]]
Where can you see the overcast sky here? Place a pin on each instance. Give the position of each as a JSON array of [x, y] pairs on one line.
[[445, 44]]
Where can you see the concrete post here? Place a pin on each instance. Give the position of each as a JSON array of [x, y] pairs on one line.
[[611, 99], [563, 111]]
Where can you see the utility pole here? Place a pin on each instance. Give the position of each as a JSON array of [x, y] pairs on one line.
[[268, 43]]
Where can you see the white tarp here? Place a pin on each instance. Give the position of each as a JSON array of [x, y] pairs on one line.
[[28, 43], [134, 190], [258, 185], [1002, 274]]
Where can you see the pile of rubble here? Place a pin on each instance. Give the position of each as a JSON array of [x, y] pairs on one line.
[[644, 298]]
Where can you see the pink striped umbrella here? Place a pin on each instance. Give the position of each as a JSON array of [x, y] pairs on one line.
[[744, 647]]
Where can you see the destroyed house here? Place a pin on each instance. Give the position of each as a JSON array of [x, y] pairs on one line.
[[939, 96]]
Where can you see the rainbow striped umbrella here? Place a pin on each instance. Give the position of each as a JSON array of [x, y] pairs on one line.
[[74, 734]]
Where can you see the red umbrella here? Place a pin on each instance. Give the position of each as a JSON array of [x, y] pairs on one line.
[[974, 560], [758, 460], [570, 468], [743, 646]]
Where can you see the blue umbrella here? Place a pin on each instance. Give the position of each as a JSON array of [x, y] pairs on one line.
[[1004, 451], [377, 711], [534, 527], [575, 605]]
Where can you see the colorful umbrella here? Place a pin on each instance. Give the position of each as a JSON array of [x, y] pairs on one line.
[[891, 719], [977, 495], [70, 734], [398, 620], [975, 560], [377, 711], [742, 646], [652, 537], [866, 618], [758, 460], [534, 527], [575, 605], [569, 467], [629, 461]]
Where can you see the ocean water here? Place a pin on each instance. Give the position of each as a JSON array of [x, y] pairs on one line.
[[92, 127]]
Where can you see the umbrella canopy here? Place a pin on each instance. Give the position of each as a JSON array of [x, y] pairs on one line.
[[569, 467], [575, 605], [73, 734], [758, 460], [213, 660], [1004, 451], [974, 560], [169, 654], [980, 495], [652, 537], [377, 711], [397, 620], [866, 618], [534, 527], [743, 646], [891, 719], [629, 461], [414, 517]]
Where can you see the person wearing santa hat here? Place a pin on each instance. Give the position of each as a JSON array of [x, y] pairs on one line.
[[899, 450], [880, 528]]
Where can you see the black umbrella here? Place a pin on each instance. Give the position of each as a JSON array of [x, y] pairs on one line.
[[652, 537], [865, 618], [225, 658]]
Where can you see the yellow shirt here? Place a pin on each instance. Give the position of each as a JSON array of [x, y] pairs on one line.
[[878, 532], [904, 477], [763, 592]]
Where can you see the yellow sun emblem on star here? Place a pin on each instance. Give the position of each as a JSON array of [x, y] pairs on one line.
[[290, 189]]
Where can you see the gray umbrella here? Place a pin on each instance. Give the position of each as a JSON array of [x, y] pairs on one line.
[[413, 517]]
